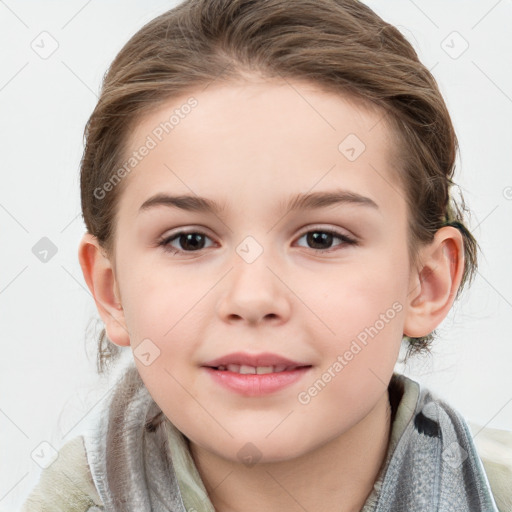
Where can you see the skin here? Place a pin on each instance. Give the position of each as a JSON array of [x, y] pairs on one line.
[[250, 145]]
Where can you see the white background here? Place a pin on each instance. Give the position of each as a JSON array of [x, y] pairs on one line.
[[47, 371]]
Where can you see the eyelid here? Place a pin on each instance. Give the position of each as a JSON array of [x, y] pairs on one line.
[[336, 230], [183, 230], [303, 231]]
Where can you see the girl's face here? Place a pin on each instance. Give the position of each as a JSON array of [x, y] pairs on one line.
[[324, 284]]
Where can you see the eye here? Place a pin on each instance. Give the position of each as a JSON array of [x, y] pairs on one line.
[[190, 241], [194, 241], [320, 238]]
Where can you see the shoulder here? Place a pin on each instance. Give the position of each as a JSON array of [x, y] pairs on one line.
[[66, 485], [494, 447], [431, 430]]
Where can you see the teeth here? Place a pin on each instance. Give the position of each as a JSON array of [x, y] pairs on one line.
[[264, 369], [245, 369]]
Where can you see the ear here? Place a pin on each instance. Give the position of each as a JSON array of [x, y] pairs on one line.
[[100, 277], [434, 285]]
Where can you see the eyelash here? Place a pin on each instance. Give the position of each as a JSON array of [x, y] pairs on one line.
[[164, 243]]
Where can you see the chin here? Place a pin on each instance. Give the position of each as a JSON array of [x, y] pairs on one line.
[[258, 450]]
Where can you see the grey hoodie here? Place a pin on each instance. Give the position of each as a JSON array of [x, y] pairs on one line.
[[431, 462]]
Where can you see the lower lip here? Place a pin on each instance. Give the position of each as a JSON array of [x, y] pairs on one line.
[[254, 384]]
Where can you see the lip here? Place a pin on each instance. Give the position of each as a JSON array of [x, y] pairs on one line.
[[256, 384], [261, 359]]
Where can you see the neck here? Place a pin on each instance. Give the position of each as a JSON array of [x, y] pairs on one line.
[[339, 475]]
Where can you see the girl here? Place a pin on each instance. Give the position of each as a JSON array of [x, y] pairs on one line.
[[266, 190]]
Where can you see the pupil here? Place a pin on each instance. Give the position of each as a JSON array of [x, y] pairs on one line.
[[315, 237], [188, 239]]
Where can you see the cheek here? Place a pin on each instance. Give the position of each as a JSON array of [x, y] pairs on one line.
[[155, 300], [354, 298], [362, 315]]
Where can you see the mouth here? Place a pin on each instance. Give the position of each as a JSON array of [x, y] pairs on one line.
[[247, 362], [255, 381], [250, 374], [256, 370]]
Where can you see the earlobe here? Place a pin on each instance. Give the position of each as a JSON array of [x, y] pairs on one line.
[[100, 278], [434, 286]]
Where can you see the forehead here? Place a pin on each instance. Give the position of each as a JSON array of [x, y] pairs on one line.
[[262, 139]]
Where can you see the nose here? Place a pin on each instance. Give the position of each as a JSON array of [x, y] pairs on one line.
[[254, 293]]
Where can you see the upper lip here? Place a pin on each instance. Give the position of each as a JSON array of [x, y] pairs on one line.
[[263, 359]]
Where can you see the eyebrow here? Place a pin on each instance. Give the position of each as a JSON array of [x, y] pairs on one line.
[[310, 201]]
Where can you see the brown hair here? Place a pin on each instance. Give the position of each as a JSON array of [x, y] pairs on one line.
[[340, 45]]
